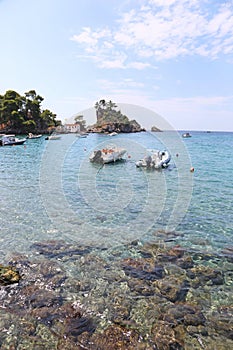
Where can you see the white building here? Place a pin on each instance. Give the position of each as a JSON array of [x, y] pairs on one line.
[[72, 127]]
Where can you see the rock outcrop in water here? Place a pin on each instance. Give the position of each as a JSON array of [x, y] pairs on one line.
[[155, 129], [109, 120]]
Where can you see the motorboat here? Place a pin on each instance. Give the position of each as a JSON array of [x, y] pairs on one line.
[[113, 133], [155, 160], [33, 136], [107, 155], [11, 140], [186, 135], [53, 137], [82, 135]]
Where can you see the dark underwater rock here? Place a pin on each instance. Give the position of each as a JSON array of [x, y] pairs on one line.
[[186, 262], [228, 253], [118, 338], [173, 288], [73, 298], [185, 314], [141, 287], [221, 321], [165, 338], [202, 275], [144, 269], [59, 249]]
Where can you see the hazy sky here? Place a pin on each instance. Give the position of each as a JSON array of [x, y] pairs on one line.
[[174, 57]]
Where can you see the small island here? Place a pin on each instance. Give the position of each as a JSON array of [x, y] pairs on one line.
[[111, 120], [155, 129]]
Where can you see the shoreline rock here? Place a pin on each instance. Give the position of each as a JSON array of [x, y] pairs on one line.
[[116, 127]]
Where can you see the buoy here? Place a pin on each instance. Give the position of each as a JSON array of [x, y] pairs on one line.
[[129, 156], [191, 169], [177, 155]]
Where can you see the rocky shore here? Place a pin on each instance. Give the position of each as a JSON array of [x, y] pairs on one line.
[[116, 127], [158, 296]]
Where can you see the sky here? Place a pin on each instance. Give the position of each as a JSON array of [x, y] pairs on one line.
[[171, 57]]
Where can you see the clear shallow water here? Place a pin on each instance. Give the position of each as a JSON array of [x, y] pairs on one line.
[[210, 213], [117, 224], [51, 189]]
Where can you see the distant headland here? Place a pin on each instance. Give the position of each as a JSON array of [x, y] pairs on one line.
[[24, 114]]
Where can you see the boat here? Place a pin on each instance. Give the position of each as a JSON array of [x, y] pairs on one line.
[[106, 155], [82, 135], [53, 137], [11, 140], [155, 160], [113, 133], [32, 136], [186, 134]]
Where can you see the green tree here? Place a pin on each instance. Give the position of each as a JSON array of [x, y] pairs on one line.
[[111, 105], [82, 122], [106, 113], [24, 114]]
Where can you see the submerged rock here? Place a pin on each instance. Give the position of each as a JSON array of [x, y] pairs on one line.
[[59, 249], [202, 275], [228, 253], [185, 314], [144, 269], [165, 337], [118, 338], [8, 275], [221, 321], [150, 297], [173, 288]]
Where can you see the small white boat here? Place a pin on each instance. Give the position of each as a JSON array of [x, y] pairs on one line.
[[186, 135], [107, 155], [53, 137], [11, 140], [113, 133], [32, 136], [155, 160]]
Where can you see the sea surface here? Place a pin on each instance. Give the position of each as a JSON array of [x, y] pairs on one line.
[[50, 192]]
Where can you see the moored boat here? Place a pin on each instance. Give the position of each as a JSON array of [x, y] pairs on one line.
[[33, 136], [186, 135], [53, 137], [82, 135], [11, 140], [155, 160], [107, 155]]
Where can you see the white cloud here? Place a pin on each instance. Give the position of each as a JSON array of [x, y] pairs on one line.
[[86, 37], [112, 87], [117, 62], [161, 30], [138, 65]]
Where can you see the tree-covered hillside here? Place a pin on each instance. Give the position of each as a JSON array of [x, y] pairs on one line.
[[110, 119], [24, 114], [106, 113]]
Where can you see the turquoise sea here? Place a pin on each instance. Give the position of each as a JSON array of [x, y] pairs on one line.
[[104, 228]]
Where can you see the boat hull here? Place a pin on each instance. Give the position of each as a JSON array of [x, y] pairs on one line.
[[157, 160], [108, 155], [11, 140]]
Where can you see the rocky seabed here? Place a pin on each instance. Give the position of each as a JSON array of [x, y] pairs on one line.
[[145, 296]]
